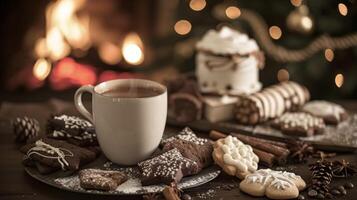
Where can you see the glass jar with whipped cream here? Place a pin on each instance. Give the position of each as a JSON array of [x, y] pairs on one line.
[[228, 62]]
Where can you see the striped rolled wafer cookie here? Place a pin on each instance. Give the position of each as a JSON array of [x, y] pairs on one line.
[[271, 102]]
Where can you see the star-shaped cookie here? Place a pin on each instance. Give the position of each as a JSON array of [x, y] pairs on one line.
[[166, 168]]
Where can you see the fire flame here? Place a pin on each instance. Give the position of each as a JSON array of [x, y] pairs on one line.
[[41, 69], [109, 53], [68, 73], [132, 49], [64, 30]]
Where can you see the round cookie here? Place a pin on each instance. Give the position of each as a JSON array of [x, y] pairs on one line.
[[273, 184], [235, 157], [330, 112], [299, 124]]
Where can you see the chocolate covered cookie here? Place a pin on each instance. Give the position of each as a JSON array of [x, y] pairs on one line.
[[330, 112], [166, 168], [191, 147], [98, 179], [299, 124], [46, 154], [73, 129]]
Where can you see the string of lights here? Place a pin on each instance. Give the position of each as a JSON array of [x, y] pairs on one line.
[[299, 20]]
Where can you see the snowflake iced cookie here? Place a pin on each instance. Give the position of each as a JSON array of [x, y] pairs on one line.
[[235, 157], [299, 124], [330, 112], [273, 184]]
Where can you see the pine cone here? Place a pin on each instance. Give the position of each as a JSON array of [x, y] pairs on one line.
[[25, 128], [321, 177]]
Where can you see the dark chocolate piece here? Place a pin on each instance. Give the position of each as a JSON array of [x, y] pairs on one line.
[[73, 129]]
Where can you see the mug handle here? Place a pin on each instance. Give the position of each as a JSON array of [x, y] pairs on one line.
[[78, 101]]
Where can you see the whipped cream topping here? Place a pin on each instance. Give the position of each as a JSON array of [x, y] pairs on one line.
[[227, 41]]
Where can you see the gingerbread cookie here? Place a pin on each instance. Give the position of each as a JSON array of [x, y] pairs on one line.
[[331, 113], [235, 157], [46, 154], [273, 184], [98, 179], [299, 124], [166, 168], [73, 129], [191, 147]]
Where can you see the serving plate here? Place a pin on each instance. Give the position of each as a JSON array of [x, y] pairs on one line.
[[70, 181]]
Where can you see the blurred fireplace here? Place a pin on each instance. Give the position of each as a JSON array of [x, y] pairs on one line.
[[63, 44]]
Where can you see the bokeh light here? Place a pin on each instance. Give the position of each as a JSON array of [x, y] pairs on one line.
[[41, 69], [342, 8], [182, 27], [109, 53], [132, 49], [275, 32], [283, 75], [197, 5], [339, 79], [329, 55], [233, 12], [296, 3]]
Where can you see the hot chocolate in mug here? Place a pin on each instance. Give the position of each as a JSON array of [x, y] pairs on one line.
[[129, 116]]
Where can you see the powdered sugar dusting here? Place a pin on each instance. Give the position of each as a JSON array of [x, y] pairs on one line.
[[133, 184], [187, 135]]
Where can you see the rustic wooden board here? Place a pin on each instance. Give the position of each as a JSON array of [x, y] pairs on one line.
[[333, 141]]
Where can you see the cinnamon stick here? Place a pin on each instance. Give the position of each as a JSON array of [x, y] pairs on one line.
[[170, 194], [264, 147], [265, 158], [246, 137], [278, 151], [215, 135]]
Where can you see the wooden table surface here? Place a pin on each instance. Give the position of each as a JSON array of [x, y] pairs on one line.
[[16, 184]]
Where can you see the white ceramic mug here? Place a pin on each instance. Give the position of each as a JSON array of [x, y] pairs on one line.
[[129, 129]]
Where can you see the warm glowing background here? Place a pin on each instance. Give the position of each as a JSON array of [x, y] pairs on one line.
[[55, 46]]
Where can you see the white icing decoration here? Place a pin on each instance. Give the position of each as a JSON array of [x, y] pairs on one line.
[[323, 109], [73, 121], [187, 135], [278, 179], [61, 153], [239, 155], [300, 120]]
